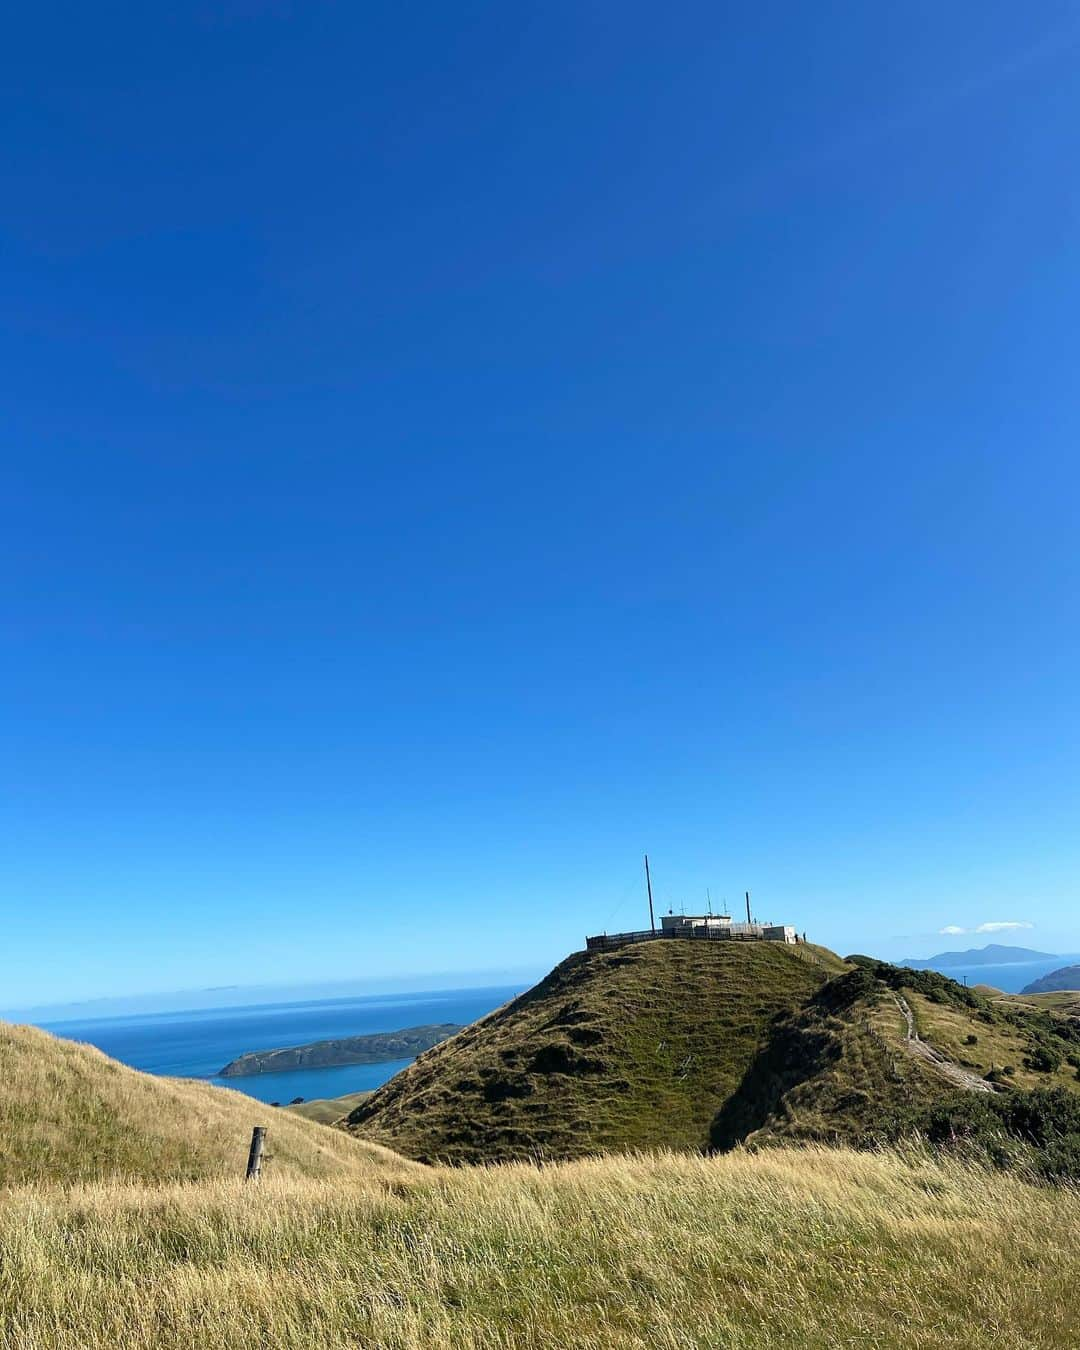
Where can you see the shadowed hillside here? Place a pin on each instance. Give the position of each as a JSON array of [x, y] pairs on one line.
[[876, 1051], [635, 1048], [69, 1113]]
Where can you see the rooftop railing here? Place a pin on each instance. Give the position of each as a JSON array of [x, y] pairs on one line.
[[736, 932]]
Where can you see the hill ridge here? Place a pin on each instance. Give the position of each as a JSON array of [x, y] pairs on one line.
[[707, 1045], [591, 1058]]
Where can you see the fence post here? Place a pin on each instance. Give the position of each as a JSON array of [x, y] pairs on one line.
[[254, 1166]]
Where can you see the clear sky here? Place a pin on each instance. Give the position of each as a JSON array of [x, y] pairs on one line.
[[451, 449]]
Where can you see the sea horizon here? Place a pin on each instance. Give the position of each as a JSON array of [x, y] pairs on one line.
[[1010, 977], [239, 995], [198, 1042]]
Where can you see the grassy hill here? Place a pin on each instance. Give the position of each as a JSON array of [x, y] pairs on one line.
[[692, 1045], [789, 1247], [328, 1110], [631, 1049], [68, 1113]]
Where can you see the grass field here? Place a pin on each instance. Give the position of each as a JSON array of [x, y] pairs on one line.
[[1062, 1001], [785, 1248]]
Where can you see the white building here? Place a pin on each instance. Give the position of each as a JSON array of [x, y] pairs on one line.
[[779, 932], [684, 923], [714, 927]]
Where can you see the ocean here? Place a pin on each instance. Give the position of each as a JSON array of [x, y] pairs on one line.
[[198, 1044], [1011, 978]]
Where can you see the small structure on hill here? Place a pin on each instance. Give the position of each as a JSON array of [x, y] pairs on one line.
[[705, 927]]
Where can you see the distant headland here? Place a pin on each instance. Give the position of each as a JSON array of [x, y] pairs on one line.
[[378, 1048]]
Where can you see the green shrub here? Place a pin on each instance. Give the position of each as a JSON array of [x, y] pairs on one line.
[[1043, 1058], [1039, 1130]]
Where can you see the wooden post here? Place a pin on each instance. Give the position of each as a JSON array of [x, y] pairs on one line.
[[648, 886], [258, 1138]]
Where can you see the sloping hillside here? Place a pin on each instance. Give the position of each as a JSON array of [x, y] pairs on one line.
[[635, 1048], [875, 1051], [693, 1045], [69, 1113]]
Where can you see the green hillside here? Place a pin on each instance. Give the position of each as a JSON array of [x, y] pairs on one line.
[[69, 1113], [691, 1045], [328, 1110], [630, 1049], [1063, 1001]]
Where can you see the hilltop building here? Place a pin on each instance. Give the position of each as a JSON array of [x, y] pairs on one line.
[[710, 927], [720, 925]]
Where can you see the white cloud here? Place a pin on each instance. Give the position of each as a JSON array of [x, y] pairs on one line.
[[1005, 926]]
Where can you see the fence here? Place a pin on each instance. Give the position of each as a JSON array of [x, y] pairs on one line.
[[733, 933]]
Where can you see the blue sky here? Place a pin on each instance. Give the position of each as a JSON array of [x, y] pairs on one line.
[[449, 450]]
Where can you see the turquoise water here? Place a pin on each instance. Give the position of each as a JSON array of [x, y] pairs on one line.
[[198, 1044]]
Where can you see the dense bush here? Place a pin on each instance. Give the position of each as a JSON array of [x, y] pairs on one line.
[[1039, 1129], [937, 988], [1044, 1058]]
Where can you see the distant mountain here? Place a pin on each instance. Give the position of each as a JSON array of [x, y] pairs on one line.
[[1068, 977], [991, 955]]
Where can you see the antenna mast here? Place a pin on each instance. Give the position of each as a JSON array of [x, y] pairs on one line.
[[648, 887]]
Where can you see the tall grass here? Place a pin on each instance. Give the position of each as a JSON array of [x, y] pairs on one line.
[[792, 1247], [69, 1113]]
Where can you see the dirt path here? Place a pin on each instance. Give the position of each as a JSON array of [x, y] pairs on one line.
[[970, 1082]]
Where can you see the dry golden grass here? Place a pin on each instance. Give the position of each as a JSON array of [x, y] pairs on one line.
[[788, 1247], [69, 1113], [328, 1110], [997, 1045]]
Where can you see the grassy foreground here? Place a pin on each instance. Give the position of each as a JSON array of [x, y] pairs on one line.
[[787, 1247]]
